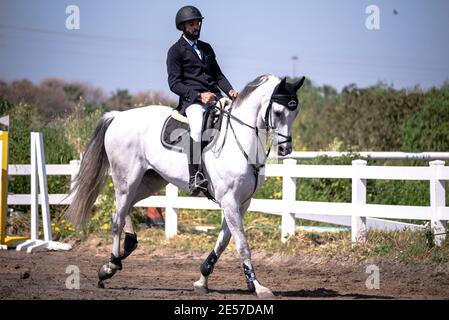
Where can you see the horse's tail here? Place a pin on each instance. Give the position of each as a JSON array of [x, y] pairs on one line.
[[91, 176]]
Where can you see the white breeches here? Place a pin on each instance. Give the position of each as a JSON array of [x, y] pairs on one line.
[[195, 115]]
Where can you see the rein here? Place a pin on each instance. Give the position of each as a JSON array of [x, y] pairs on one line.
[[289, 101], [256, 167]]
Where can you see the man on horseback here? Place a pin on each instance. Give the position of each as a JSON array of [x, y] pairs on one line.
[[194, 75], [268, 103]]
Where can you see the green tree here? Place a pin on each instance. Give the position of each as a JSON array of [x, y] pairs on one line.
[[428, 129]]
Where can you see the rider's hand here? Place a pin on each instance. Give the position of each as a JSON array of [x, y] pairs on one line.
[[207, 98], [233, 94]]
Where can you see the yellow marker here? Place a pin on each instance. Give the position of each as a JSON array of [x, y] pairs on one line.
[[5, 240], [3, 183]]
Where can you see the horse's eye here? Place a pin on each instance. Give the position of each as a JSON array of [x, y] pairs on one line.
[[278, 114]]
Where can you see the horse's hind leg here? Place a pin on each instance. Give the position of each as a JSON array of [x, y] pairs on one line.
[[126, 184], [130, 243], [151, 183], [207, 267]]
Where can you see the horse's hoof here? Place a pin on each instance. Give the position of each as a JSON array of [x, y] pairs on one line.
[[100, 284], [200, 288], [264, 293], [105, 272]]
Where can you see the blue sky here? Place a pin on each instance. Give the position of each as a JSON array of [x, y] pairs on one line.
[[123, 44]]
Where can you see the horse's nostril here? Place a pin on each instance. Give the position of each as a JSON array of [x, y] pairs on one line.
[[282, 151]]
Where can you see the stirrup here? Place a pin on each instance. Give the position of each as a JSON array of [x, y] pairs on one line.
[[198, 183]]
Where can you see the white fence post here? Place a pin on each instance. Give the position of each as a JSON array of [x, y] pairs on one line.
[[171, 214], [42, 178], [74, 168], [34, 192], [358, 224], [288, 226], [437, 201], [39, 178]]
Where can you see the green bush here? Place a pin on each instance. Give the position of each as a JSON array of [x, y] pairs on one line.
[[326, 190], [428, 129], [377, 118]]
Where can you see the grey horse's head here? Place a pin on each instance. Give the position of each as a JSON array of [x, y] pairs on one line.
[[284, 109]]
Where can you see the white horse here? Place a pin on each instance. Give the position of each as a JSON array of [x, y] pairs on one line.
[[129, 144]]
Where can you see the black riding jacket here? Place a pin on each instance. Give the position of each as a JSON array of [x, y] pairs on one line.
[[188, 75]]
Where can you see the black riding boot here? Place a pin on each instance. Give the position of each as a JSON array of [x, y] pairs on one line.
[[197, 181]]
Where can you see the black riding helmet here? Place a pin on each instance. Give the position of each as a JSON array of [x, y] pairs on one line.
[[187, 13]]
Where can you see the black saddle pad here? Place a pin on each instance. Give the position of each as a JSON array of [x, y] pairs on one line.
[[175, 134]]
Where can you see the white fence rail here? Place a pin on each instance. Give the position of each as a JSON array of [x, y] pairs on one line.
[[370, 155], [357, 214]]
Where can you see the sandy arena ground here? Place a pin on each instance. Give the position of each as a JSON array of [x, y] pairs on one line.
[[163, 275]]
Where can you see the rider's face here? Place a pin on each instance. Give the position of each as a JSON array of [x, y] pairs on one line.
[[192, 29]]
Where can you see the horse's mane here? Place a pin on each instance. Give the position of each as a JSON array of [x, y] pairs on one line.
[[249, 88]]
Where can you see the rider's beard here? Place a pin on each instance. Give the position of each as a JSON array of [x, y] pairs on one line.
[[192, 36]]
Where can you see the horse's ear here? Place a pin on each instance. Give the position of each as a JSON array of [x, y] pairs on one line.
[[282, 83], [299, 83]]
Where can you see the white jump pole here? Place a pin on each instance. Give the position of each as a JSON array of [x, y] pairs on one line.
[[39, 177]]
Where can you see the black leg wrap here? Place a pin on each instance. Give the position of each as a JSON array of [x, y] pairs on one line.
[[130, 244], [116, 261], [207, 267], [250, 276]]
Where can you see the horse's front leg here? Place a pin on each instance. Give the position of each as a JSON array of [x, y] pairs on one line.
[[207, 267], [233, 218]]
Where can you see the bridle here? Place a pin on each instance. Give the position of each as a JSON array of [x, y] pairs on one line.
[[289, 101]]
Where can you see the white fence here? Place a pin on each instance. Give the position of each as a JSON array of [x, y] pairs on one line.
[[370, 155], [357, 214]]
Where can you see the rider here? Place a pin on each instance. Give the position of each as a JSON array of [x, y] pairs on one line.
[[194, 75]]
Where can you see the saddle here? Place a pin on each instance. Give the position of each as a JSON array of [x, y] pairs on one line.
[[176, 131]]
